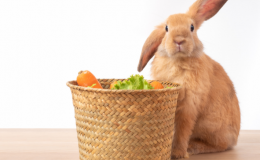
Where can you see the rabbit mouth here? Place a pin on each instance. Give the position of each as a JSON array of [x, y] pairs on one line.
[[175, 52], [178, 48], [172, 52]]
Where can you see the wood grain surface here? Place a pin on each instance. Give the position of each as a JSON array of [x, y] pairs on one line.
[[61, 144]]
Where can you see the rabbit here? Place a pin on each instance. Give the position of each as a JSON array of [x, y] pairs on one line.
[[207, 115]]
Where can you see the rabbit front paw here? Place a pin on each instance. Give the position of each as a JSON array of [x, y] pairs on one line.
[[179, 154]]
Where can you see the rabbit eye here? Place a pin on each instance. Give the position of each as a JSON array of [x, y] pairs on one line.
[[192, 28], [166, 28]]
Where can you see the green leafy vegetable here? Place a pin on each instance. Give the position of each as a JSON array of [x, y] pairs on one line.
[[92, 85], [133, 83], [169, 87]]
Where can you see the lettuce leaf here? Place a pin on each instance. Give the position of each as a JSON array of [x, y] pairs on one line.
[[135, 82]]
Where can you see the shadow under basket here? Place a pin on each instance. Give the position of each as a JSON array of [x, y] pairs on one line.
[[124, 124]]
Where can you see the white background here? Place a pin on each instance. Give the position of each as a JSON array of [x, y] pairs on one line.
[[43, 44]]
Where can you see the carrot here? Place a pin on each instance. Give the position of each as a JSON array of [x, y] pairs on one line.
[[112, 84], [87, 79], [157, 85]]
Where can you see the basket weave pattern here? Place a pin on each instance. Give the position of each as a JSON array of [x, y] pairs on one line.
[[124, 124]]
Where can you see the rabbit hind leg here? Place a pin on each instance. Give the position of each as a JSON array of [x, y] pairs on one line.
[[197, 146]]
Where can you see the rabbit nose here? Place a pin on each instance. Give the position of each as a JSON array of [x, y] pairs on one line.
[[179, 41]]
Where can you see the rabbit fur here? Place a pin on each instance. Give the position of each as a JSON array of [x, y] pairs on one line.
[[207, 116]]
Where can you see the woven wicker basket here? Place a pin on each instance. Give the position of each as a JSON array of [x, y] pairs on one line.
[[124, 124]]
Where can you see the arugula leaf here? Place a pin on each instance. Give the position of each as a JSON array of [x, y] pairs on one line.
[[169, 87], [92, 85], [136, 82]]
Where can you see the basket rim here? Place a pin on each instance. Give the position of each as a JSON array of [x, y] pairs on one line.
[[69, 84]]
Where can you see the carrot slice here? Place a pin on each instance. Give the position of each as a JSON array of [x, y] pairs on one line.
[[157, 85], [87, 79], [112, 84]]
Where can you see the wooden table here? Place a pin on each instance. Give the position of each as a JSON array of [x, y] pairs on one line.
[[61, 144]]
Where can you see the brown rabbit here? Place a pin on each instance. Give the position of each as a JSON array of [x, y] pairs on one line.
[[208, 114]]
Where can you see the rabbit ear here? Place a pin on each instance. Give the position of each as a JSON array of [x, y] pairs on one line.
[[150, 46], [203, 10]]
